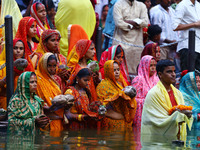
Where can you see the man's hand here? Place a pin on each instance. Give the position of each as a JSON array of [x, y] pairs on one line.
[[188, 113], [133, 23]]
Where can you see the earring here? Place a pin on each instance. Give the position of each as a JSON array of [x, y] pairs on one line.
[[76, 82]]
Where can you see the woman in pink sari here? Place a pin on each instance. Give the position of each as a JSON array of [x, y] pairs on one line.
[[115, 53], [146, 79]]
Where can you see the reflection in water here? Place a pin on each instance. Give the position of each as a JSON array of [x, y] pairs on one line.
[[92, 140]]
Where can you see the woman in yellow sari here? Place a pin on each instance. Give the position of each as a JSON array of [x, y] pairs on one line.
[[49, 42], [120, 107], [49, 86]]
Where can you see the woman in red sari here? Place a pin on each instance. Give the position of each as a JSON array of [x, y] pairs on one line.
[[152, 49], [82, 115], [115, 53], [38, 11], [18, 52], [83, 51], [26, 32]]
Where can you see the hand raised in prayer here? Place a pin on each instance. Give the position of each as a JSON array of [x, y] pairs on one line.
[[41, 121], [133, 23]]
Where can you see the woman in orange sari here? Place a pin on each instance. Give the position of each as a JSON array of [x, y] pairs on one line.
[[49, 86], [49, 42], [38, 11], [27, 31], [120, 107], [83, 51], [18, 52], [83, 113]]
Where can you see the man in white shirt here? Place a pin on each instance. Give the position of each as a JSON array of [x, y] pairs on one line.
[[162, 15], [187, 16], [130, 17]]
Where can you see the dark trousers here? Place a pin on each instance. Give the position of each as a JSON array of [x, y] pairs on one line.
[[184, 59]]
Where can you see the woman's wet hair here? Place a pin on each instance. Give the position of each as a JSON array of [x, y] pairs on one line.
[[83, 73], [52, 57]]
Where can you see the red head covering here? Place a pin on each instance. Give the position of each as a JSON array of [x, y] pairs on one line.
[[150, 49], [109, 54], [22, 32], [35, 15], [41, 48], [82, 47], [25, 56]]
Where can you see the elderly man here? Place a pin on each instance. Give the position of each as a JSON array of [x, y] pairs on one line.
[[130, 17], [158, 116]]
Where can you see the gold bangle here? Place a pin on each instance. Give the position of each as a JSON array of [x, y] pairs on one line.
[[79, 117]]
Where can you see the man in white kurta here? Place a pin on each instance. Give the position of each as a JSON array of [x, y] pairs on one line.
[[130, 17], [156, 119]]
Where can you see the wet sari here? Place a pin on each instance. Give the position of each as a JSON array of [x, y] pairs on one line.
[[82, 106], [47, 88], [22, 32], [41, 27], [109, 54], [78, 52], [143, 83], [21, 110], [191, 96], [42, 49], [3, 99], [109, 91]]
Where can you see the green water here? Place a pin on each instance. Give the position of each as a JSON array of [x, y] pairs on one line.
[[93, 140]]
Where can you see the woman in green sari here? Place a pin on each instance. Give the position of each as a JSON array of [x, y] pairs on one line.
[[25, 107]]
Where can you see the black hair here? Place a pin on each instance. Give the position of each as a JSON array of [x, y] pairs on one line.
[[103, 8], [23, 45], [119, 50], [52, 57], [48, 4], [162, 64], [153, 30], [32, 74], [83, 73]]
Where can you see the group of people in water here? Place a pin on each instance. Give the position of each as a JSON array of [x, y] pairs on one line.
[[43, 75]]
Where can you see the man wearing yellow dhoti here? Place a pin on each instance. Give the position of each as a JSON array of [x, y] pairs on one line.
[[164, 112]]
